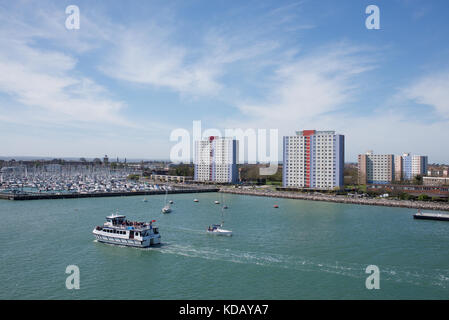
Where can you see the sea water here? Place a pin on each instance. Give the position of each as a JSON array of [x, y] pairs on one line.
[[302, 250]]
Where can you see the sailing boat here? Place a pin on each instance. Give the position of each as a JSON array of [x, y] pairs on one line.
[[217, 229], [222, 200], [166, 208]]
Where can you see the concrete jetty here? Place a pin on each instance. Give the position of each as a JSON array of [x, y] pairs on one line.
[[341, 199], [40, 196], [431, 216]]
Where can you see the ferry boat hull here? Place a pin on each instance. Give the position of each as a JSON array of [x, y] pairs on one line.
[[128, 242]]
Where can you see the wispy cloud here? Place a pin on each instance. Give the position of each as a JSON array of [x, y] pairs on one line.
[[46, 80], [149, 55], [431, 90], [309, 85]]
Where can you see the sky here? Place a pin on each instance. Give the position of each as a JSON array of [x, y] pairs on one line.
[[136, 70]]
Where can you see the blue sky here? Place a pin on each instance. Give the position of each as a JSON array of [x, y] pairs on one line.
[[136, 70]]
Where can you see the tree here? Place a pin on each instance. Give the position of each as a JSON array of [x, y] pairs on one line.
[[418, 179], [423, 197], [185, 170]]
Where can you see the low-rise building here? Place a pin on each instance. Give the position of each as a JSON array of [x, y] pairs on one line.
[[436, 181]]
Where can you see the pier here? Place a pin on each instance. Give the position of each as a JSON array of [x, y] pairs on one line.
[[432, 216], [47, 196]]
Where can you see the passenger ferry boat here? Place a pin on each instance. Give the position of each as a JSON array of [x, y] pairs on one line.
[[118, 230]]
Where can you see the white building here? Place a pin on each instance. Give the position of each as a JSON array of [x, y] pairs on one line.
[[313, 159], [412, 166], [216, 160]]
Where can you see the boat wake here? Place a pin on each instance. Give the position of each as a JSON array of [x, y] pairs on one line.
[[415, 276]]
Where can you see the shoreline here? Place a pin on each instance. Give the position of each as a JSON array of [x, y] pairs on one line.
[[342, 199]]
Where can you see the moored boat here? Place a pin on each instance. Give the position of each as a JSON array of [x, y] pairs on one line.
[[166, 209]]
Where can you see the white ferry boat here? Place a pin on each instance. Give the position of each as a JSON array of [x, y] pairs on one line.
[[118, 230]]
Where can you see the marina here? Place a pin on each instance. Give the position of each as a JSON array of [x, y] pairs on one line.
[[82, 183]]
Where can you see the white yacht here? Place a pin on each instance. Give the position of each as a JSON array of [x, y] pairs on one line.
[[118, 230], [217, 229], [166, 209]]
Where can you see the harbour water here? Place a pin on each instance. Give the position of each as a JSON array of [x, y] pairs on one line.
[[302, 250]]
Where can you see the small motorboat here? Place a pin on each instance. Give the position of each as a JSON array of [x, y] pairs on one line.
[[171, 202], [145, 200], [216, 229], [195, 200], [217, 202], [225, 207], [276, 206]]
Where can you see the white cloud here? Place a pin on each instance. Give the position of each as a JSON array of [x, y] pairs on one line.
[[47, 81], [149, 55], [308, 86], [432, 90]]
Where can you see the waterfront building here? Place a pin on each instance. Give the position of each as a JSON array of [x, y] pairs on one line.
[[436, 181], [313, 159], [386, 168], [411, 166], [416, 190], [215, 160], [398, 168], [168, 178], [376, 168]]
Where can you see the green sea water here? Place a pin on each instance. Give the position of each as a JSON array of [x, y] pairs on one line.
[[303, 250]]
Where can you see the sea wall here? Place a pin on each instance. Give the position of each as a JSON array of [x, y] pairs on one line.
[[342, 199]]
